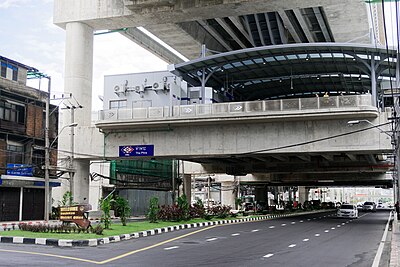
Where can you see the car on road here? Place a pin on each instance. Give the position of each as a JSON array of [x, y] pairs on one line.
[[347, 211], [369, 206]]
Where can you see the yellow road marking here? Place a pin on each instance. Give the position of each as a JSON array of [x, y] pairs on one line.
[[155, 245], [48, 255]]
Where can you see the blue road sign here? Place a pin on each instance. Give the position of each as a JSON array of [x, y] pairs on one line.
[[19, 169], [136, 151]]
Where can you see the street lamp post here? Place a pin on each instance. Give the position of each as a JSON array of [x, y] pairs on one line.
[[47, 157]]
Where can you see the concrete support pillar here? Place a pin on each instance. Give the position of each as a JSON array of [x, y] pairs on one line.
[[261, 194], [79, 70], [303, 194], [373, 83], [78, 82], [187, 186], [228, 194], [81, 181]]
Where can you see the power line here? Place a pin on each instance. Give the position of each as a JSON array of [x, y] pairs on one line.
[[314, 141]]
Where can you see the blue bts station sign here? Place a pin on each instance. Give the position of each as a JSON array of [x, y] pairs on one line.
[[136, 151]]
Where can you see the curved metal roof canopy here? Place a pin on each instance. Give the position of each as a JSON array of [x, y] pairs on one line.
[[294, 70]]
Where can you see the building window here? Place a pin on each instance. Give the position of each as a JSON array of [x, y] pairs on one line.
[[9, 71], [3, 70], [12, 112], [15, 153], [116, 104]]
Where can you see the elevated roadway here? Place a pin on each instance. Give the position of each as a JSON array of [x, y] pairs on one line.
[[290, 141]]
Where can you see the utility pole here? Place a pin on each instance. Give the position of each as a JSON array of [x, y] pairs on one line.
[[72, 149], [47, 157], [70, 166]]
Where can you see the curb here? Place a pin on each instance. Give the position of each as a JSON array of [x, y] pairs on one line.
[[394, 251], [114, 239]]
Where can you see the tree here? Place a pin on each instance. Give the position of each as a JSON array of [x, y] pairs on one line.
[[122, 208], [105, 205], [153, 210], [183, 204], [67, 199]]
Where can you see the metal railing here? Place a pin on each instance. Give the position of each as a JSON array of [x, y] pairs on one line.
[[235, 108]]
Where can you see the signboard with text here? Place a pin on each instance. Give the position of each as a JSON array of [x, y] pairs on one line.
[[19, 169], [136, 151], [76, 214]]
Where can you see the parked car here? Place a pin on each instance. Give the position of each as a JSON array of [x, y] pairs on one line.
[[369, 206], [347, 211]]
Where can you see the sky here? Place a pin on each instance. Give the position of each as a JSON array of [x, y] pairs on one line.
[[29, 36]]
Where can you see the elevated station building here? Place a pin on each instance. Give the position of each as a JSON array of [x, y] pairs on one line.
[[268, 92]]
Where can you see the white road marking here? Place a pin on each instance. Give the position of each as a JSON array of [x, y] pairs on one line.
[[268, 255], [174, 247], [272, 227], [378, 255], [283, 224], [292, 245], [326, 231], [211, 239], [256, 230], [317, 234], [235, 234], [305, 240]]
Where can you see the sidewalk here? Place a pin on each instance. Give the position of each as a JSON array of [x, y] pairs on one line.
[[395, 245]]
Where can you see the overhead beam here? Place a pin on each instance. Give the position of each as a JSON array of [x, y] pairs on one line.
[[215, 34], [271, 35], [246, 19], [327, 157], [303, 24], [242, 30], [281, 158], [282, 31], [322, 24], [289, 26], [149, 44], [371, 159], [304, 157], [259, 29], [228, 29], [261, 159], [352, 157]]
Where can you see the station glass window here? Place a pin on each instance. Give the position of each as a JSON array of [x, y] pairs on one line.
[[116, 104]]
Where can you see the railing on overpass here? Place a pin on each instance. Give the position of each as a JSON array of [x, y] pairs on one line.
[[234, 108]]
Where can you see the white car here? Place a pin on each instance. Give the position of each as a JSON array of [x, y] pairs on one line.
[[369, 206], [347, 211]]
